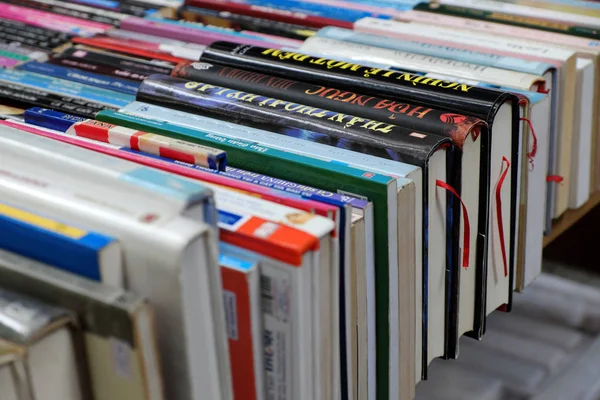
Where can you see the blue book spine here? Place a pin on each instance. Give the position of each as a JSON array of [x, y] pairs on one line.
[[87, 78], [447, 52], [52, 242], [343, 160], [67, 88]]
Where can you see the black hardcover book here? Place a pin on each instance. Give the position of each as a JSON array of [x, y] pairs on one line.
[[20, 96], [20, 27], [500, 110], [133, 64], [241, 22], [332, 128], [467, 132]]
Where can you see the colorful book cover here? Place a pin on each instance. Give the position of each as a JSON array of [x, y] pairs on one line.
[[60, 244]]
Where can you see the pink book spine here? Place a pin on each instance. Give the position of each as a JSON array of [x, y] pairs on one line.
[[440, 42], [8, 62], [51, 21], [492, 27], [121, 152], [189, 34]]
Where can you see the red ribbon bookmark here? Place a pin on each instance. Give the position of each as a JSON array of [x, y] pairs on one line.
[[554, 178], [533, 151], [467, 232], [499, 211]]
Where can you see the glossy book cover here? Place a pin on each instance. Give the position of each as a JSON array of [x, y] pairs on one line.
[[319, 125]]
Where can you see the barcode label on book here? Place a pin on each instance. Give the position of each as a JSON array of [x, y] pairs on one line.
[[231, 320], [276, 297]]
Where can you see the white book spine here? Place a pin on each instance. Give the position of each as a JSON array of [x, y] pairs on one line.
[[366, 54]]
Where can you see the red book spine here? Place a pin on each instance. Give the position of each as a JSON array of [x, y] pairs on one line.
[[275, 14], [114, 45]]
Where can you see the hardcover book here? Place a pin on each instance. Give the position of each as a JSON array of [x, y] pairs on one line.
[[464, 130]]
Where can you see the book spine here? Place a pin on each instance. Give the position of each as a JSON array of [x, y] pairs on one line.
[[243, 22], [75, 26], [139, 66], [238, 320], [24, 97], [137, 48], [437, 93], [63, 87], [81, 64], [404, 114], [39, 43], [70, 10], [510, 19], [52, 242], [430, 49], [193, 34], [130, 138], [277, 14], [328, 127], [84, 77]]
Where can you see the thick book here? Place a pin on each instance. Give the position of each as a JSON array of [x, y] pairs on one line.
[[465, 131], [162, 248], [307, 163], [113, 321], [44, 332], [62, 245]]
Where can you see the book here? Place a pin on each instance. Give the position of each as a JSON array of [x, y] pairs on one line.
[[584, 49], [342, 175], [97, 57], [145, 142], [581, 167], [243, 317], [84, 77], [113, 322], [65, 88], [245, 136], [162, 249], [47, 338], [272, 13], [192, 34], [521, 15], [90, 254], [243, 22], [465, 130], [21, 96], [400, 60], [563, 59]]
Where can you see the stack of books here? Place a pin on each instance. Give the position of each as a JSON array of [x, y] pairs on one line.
[[255, 199]]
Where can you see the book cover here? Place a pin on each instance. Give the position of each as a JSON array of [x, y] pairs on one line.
[[336, 129], [89, 254]]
